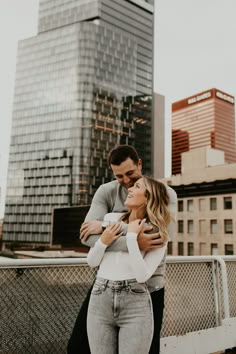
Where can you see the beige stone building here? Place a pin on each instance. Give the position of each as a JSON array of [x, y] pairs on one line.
[[206, 189]]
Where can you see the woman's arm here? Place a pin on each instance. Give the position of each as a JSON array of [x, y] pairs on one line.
[[109, 235], [143, 266], [96, 253], [118, 245]]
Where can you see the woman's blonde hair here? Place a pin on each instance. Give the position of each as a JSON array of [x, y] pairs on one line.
[[157, 212]]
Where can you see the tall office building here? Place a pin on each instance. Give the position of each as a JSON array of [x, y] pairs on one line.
[[83, 85], [205, 119]]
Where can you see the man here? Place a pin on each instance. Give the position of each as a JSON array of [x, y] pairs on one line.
[[127, 168]]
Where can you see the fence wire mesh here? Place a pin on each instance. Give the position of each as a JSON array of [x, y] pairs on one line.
[[189, 298], [231, 275], [39, 304], [38, 307]]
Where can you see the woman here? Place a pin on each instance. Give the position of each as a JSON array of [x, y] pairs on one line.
[[120, 312]]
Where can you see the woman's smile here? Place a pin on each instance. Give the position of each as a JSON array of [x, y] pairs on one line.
[[136, 195]]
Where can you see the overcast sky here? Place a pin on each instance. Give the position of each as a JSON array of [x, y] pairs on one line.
[[195, 49]]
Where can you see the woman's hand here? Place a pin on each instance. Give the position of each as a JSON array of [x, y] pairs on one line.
[[111, 233], [136, 226]]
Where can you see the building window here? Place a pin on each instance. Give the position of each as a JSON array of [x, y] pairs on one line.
[[202, 204], [180, 205], [180, 226], [190, 226], [229, 250], [214, 249], [228, 225], [180, 248], [213, 204], [190, 205], [214, 226], [170, 248], [227, 202], [202, 226], [190, 249], [202, 248]]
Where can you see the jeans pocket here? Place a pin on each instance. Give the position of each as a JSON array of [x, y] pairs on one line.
[[138, 288], [97, 289]]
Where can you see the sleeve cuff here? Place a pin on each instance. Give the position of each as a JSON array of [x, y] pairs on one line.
[[132, 235], [100, 244]]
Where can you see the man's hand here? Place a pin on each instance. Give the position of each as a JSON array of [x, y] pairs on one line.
[[147, 241], [93, 227]]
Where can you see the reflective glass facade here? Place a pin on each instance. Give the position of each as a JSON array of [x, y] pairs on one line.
[[83, 85]]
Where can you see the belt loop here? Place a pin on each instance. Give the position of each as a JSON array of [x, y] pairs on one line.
[[127, 287], [105, 285]]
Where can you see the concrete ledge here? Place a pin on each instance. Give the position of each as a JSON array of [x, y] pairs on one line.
[[202, 342]]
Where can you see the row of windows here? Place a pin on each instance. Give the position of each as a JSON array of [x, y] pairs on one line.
[[53, 200], [227, 204], [30, 209], [26, 237], [10, 227], [214, 225], [228, 249]]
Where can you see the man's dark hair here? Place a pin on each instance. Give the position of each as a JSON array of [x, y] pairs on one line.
[[120, 153]]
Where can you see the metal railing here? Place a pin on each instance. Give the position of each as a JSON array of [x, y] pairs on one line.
[[230, 262], [40, 299], [196, 294]]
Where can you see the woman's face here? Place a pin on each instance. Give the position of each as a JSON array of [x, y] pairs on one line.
[[136, 195]]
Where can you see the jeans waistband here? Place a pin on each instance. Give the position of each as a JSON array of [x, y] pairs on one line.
[[115, 283]]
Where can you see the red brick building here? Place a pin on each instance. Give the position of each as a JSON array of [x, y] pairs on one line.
[[205, 119]]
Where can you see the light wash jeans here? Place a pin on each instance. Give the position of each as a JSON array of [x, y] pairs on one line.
[[120, 318]]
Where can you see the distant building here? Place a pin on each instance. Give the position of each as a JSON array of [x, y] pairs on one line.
[[180, 144], [83, 85], [206, 190], [205, 119]]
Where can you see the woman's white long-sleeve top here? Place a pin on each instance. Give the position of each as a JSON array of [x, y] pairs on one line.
[[125, 265]]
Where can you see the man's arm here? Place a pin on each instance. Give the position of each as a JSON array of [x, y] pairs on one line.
[[148, 239], [90, 231], [118, 245], [92, 224], [100, 205]]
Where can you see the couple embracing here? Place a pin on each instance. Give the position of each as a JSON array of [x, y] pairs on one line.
[[127, 227]]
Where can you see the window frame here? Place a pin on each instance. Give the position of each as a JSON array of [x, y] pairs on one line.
[[226, 226]]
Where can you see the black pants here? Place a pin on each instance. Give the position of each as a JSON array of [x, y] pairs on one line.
[[78, 342], [158, 307]]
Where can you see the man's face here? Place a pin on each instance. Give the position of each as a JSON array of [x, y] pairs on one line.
[[127, 172]]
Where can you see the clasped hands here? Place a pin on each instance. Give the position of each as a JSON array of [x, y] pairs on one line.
[[146, 241]]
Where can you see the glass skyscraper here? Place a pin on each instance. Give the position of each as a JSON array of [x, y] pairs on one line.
[[83, 85]]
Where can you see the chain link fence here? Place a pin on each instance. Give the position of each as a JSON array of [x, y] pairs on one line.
[[39, 305], [230, 262], [40, 300], [190, 303]]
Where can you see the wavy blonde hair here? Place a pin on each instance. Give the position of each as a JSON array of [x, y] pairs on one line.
[[157, 212]]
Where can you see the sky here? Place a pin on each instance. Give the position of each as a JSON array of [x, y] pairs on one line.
[[195, 50]]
